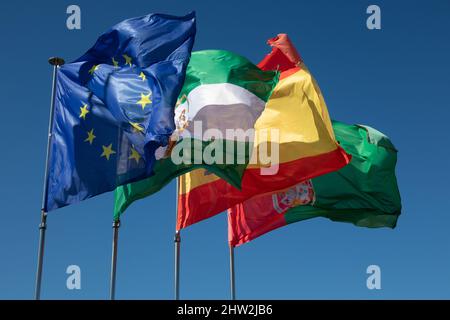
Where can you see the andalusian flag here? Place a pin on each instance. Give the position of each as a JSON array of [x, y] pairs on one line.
[[223, 93], [364, 193], [307, 146]]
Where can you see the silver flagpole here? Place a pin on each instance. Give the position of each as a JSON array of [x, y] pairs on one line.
[[112, 288], [177, 241], [55, 62], [177, 264], [232, 274]]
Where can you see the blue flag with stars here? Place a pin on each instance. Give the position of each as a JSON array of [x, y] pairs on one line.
[[114, 106]]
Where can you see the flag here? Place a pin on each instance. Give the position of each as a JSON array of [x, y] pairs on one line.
[[364, 192], [114, 107], [306, 143], [223, 93]]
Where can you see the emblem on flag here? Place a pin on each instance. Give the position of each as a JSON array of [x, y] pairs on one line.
[[300, 194]]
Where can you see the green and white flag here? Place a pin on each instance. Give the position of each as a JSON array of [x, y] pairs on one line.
[[222, 97]]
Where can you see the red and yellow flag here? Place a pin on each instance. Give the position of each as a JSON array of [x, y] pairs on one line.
[[307, 146]]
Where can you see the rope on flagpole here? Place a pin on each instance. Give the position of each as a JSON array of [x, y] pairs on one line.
[[55, 62]]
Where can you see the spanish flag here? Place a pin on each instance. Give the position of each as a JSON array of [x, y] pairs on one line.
[[307, 147]]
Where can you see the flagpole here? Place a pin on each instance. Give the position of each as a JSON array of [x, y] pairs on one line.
[[177, 241], [232, 274], [112, 288], [55, 62]]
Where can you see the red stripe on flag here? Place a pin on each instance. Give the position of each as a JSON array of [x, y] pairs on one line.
[[253, 183], [240, 232]]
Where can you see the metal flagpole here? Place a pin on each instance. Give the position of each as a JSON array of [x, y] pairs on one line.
[[112, 288], [55, 62], [177, 241], [232, 274], [177, 264]]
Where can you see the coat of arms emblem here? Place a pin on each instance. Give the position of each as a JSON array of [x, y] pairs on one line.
[[300, 194]]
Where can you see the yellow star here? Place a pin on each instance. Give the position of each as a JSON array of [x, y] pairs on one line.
[[127, 59], [142, 76], [94, 67], [136, 127], [107, 151], [90, 138], [84, 111], [134, 155], [145, 100], [115, 63]]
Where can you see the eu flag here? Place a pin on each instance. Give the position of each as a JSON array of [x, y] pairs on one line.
[[114, 106]]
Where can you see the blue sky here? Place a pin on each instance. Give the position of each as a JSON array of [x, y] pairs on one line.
[[396, 79]]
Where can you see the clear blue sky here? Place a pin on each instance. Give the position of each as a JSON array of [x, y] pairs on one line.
[[396, 79]]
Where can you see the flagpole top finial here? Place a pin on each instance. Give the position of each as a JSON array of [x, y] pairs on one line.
[[56, 61]]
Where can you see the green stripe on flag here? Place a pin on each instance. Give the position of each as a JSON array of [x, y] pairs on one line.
[[219, 66], [365, 192]]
